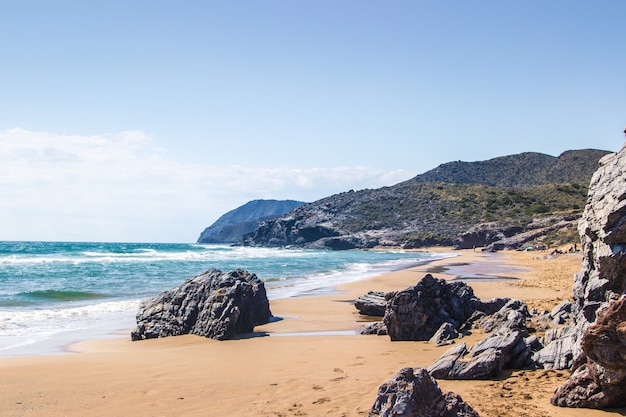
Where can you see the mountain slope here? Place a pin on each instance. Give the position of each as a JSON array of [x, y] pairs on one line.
[[437, 206], [231, 226], [523, 170]]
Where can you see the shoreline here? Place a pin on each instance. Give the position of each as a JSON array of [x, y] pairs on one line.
[[56, 327], [318, 374]]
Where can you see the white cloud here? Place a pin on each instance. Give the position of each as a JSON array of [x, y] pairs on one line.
[[122, 187]]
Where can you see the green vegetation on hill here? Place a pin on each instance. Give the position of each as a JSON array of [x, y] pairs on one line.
[[523, 170], [439, 205]]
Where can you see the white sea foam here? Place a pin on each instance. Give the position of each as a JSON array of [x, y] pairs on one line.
[[20, 328], [32, 324]]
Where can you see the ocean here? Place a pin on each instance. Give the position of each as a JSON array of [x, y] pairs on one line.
[[56, 293]]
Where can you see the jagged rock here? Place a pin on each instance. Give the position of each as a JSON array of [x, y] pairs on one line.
[[377, 328], [517, 241], [416, 313], [601, 280], [507, 347], [602, 229], [512, 316], [412, 392], [558, 350], [371, 304], [485, 359], [563, 307], [599, 375], [492, 305], [445, 335], [213, 304], [484, 234]]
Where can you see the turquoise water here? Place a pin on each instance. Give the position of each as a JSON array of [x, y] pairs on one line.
[[49, 290]]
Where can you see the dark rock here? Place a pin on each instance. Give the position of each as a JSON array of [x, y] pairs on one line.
[[412, 392], [508, 347], [445, 335], [492, 305], [486, 359], [599, 375], [512, 316], [377, 328], [416, 313], [213, 304], [371, 304], [483, 235]]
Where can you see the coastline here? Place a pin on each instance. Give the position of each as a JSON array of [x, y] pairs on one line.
[[328, 374]]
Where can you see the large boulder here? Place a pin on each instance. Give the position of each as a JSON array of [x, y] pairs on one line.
[[213, 304], [412, 392], [598, 379], [371, 304], [486, 359], [416, 313]]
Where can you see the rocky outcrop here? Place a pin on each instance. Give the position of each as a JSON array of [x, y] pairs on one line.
[[231, 226], [412, 392], [371, 304], [507, 347], [494, 237], [484, 234], [598, 379], [598, 367], [486, 359], [416, 313], [603, 235], [213, 304], [558, 351], [445, 335]]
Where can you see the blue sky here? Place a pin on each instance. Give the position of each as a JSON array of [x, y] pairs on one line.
[[145, 121]]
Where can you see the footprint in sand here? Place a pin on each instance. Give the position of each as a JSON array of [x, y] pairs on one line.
[[322, 400]]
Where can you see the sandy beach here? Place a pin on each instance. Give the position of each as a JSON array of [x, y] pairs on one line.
[[312, 363]]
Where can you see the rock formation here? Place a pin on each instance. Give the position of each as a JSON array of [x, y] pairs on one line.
[[597, 367], [371, 304], [416, 313], [412, 392], [507, 347], [598, 379], [213, 304], [231, 226]]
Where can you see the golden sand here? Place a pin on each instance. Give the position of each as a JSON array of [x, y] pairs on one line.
[[334, 373]]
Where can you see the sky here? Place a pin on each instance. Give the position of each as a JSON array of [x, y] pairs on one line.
[[144, 121]]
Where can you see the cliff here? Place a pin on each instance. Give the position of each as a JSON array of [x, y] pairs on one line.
[[230, 227]]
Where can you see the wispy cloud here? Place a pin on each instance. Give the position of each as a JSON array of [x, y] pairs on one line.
[[123, 187]]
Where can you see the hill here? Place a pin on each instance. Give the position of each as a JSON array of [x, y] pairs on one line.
[[230, 227], [523, 170], [513, 192]]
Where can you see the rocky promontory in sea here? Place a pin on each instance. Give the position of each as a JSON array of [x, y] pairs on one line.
[[231, 226]]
